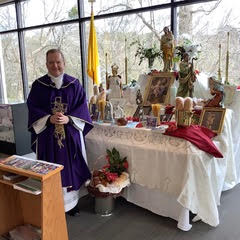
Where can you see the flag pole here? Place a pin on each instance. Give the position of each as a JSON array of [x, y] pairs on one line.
[[93, 56]]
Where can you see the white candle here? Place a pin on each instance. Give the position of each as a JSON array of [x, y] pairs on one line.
[[227, 59], [219, 65], [228, 39]]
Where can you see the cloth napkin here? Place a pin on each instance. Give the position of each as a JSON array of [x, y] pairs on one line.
[[199, 136]]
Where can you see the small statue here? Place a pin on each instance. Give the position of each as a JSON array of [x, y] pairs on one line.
[[100, 88], [114, 84], [217, 90], [139, 101], [186, 77], [108, 112], [118, 113], [93, 110], [167, 45]]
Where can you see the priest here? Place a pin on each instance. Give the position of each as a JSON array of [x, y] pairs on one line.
[[58, 122]]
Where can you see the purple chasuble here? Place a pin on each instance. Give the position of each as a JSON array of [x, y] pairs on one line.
[[41, 102]]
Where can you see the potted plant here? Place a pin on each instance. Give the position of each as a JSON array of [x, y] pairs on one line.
[[108, 182], [149, 53]]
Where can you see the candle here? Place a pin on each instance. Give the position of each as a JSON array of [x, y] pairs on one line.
[[228, 39], [156, 110], [227, 59], [219, 65], [101, 108]]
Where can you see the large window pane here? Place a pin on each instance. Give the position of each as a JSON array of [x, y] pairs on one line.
[[7, 17], [103, 6], [115, 36], [65, 37], [37, 12], [10, 68], [208, 24]]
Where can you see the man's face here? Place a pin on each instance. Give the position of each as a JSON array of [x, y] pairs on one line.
[[55, 64]]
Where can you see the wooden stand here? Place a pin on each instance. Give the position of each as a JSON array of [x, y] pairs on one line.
[[45, 211]]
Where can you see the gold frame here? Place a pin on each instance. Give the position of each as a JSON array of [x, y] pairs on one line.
[[155, 78], [216, 122]]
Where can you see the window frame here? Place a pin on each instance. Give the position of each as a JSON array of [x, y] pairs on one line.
[[81, 20]]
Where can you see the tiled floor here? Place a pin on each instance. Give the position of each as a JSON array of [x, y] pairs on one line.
[[130, 222]]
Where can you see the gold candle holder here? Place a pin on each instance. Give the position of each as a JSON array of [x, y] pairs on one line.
[[101, 108], [156, 111]]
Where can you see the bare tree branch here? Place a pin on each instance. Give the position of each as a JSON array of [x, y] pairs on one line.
[[139, 15]]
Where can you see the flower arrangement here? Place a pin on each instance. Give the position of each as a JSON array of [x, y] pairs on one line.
[[149, 53], [186, 46], [116, 164], [112, 177]]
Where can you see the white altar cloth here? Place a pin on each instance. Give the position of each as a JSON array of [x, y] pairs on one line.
[[170, 167]]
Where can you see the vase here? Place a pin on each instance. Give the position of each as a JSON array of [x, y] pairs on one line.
[[104, 205], [150, 63]]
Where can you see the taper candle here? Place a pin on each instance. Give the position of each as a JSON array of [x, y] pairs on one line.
[[227, 58], [219, 64]]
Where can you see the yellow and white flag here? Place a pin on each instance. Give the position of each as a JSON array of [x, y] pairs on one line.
[[93, 58]]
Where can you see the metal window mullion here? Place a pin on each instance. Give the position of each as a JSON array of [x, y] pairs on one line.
[[21, 50], [82, 37], [173, 19]]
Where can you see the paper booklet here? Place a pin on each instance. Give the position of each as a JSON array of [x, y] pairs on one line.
[[10, 176], [36, 166], [29, 185]]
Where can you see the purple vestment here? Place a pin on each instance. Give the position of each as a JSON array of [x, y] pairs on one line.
[[40, 103]]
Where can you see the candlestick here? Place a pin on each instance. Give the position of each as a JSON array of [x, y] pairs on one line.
[[126, 72], [227, 58], [219, 64], [106, 67]]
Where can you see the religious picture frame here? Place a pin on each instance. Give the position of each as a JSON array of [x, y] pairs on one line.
[[158, 88], [151, 122], [213, 118]]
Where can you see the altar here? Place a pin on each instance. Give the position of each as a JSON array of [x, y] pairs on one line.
[[170, 176]]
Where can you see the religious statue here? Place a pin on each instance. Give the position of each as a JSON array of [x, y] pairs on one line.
[[108, 114], [93, 110], [139, 102], [167, 45], [217, 90], [186, 77], [114, 84], [118, 112]]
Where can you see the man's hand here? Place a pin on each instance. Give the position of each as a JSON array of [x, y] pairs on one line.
[[59, 118]]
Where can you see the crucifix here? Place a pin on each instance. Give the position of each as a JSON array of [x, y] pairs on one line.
[[59, 131]]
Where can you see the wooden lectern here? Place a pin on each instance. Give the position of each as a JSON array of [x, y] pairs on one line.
[[45, 211]]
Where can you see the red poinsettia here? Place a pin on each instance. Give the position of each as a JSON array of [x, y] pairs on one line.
[[116, 165]]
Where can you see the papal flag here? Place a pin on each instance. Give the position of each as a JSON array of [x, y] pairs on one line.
[[93, 59]]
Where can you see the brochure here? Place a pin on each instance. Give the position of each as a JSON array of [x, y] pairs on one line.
[[29, 185], [36, 166]]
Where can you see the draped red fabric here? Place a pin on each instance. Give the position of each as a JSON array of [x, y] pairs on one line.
[[197, 135]]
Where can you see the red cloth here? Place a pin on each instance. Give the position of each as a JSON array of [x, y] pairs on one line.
[[199, 136]]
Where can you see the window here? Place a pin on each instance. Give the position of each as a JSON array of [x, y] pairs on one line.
[[208, 24], [7, 17], [10, 68], [37, 12], [103, 6], [115, 36], [37, 42]]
